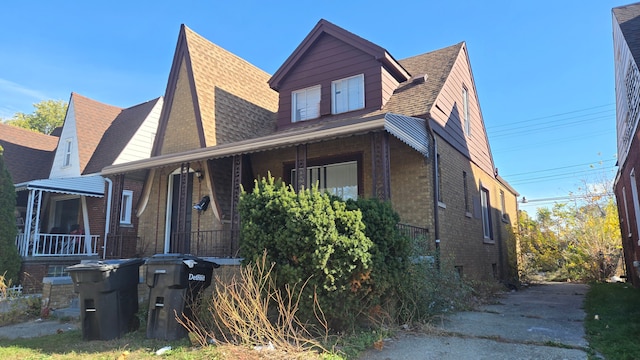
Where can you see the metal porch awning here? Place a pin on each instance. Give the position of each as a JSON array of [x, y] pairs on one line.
[[92, 185]]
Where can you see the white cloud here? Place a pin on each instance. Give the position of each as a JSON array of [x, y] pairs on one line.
[[17, 98], [11, 87]]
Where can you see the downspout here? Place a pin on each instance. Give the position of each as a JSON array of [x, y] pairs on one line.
[[436, 191], [107, 221]]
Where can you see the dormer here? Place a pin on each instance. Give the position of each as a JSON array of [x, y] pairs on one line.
[[334, 72]]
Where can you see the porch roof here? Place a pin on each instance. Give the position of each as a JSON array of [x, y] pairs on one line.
[[409, 130], [91, 185]]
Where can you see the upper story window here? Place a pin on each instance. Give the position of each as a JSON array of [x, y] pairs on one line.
[[67, 153], [305, 104], [347, 94], [126, 207], [465, 109]]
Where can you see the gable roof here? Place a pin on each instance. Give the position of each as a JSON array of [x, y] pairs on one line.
[[208, 69], [118, 135], [325, 27], [628, 18], [92, 118], [27, 154], [416, 99]]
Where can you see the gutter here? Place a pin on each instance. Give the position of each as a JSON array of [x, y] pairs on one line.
[[436, 191], [108, 216]]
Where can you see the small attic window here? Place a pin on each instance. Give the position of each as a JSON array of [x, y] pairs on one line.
[[67, 153], [305, 104], [347, 94]]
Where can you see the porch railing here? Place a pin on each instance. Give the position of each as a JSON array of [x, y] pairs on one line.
[[208, 243], [58, 245], [419, 238]]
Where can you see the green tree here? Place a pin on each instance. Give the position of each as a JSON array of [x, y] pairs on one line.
[[48, 115], [9, 258]]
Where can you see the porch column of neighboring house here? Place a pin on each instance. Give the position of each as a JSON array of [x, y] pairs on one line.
[[380, 165], [30, 222], [85, 223], [183, 239], [300, 182], [116, 205], [236, 184]]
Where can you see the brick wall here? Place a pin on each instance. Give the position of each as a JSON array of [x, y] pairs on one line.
[[57, 292]]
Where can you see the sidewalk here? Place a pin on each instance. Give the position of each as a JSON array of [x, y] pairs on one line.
[[541, 322]]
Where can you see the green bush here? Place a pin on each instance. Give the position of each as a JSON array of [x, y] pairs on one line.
[[312, 237], [10, 260], [390, 251]]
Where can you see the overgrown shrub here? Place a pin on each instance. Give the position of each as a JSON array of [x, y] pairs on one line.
[[311, 237], [9, 258], [389, 253]]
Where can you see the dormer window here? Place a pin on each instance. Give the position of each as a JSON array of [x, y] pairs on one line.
[[305, 104], [347, 94]]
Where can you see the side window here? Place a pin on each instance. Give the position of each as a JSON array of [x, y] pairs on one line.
[[486, 213], [347, 94], [126, 207], [305, 104], [467, 206], [503, 208], [67, 153], [465, 109]]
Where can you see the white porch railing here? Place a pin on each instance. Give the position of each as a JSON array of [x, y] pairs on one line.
[[58, 245]]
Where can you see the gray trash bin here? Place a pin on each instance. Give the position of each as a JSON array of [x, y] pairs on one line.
[[174, 281], [108, 292]]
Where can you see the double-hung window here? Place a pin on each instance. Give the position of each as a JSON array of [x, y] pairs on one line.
[[126, 207], [340, 179], [305, 104], [347, 94], [67, 153], [465, 109], [486, 214]]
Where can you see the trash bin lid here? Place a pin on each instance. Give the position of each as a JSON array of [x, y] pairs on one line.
[[174, 258], [104, 265]]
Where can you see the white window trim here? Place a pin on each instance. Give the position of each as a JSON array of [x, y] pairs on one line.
[[333, 94], [485, 203], [66, 159], [465, 109], [126, 207], [294, 103]]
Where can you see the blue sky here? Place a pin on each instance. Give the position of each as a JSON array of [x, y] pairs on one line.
[[543, 69]]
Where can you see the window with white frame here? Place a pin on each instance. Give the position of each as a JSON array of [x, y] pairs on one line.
[[126, 207], [67, 153], [305, 104], [347, 94], [465, 109], [486, 213], [339, 179]]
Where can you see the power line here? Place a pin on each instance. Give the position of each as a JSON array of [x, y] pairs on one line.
[[549, 116], [537, 127], [558, 168]]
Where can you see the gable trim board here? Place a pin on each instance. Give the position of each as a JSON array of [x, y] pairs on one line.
[[410, 130]]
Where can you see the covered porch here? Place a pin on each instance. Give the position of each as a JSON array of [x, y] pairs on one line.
[[54, 219]]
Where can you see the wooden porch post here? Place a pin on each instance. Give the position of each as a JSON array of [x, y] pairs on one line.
[[300, 182], [236, 185], [380, 165], [182, 245]]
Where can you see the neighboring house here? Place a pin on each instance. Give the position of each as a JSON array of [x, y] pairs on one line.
[[626, 47], [64, 210], [340, 112]]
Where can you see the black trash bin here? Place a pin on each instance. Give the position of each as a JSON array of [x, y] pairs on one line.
[[174, 281], [108, 297]]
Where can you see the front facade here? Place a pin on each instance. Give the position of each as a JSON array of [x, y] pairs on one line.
[[340, 113], [626, 25], [61, 206]]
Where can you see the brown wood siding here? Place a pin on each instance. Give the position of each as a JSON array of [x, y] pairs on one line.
[[448, 112], [330, 59]]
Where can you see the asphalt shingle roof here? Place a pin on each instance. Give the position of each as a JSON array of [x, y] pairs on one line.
[[628, 17], [27, 154]]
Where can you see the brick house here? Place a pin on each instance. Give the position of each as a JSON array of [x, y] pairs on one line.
[[340, 112], [61, 197], [626, 30]]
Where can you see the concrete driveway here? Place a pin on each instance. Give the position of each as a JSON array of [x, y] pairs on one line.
[[540, 322]]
